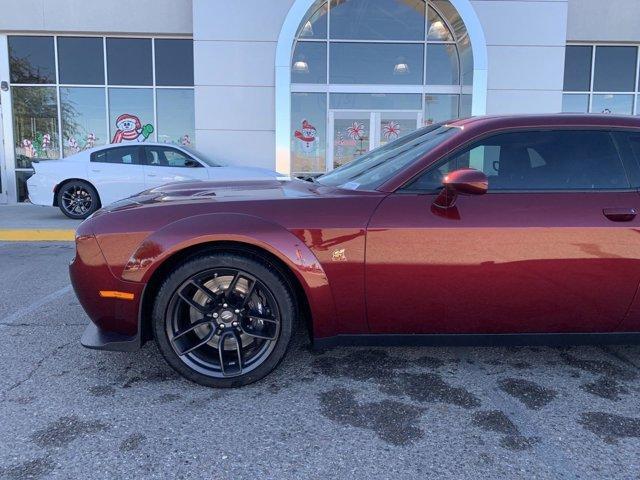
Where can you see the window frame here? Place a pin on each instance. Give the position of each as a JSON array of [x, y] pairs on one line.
[[631, 170], [118, 147], [145, 156], [591, 92]]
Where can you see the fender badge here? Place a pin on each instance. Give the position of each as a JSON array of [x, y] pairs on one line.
[[339, 255]]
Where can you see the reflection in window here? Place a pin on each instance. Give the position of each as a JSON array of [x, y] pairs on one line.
[[393, 127], [440, 107], [375, 101], [376, 63], [309, 63], [466, 104], [615, 69], [442, 65], [176, 118], [174, 62], [377, 19], [81, 60], [21, 183], [308, 132], [577, 68], [314, 24], [129, 61], [168, 157], [35, 124], [31, 59], [575, 103], [131, 115], [614, 104], [351, 137], [83, 119]]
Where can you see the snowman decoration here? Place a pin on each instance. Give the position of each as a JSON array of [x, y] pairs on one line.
[[130, 129], [308, 137]]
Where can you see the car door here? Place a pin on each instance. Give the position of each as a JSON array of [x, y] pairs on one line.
[[116, 172], [165, 164], [552, 247]]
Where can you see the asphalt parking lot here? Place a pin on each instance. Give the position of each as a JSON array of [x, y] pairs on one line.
[[68, 412]]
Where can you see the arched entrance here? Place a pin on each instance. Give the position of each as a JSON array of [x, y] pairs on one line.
[[354, 74]]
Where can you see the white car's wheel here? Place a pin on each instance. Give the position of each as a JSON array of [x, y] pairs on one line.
[[77, 199]]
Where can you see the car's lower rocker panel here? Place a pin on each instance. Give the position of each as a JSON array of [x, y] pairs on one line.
[[97, 339], [479, 340]]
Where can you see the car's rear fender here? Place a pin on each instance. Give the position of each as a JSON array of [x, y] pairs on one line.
[[249, 230]]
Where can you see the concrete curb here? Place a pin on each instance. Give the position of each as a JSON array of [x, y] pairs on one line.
[[37, 235]]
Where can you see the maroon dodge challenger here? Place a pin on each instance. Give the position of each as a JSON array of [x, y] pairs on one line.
[[520, 229]]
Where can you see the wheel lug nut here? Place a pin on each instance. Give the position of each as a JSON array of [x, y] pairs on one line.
[[215, 315], [237, 311], [235, 324], [221, 326], [224, 305]]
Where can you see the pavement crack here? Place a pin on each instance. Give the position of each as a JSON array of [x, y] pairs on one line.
[[37, 366]]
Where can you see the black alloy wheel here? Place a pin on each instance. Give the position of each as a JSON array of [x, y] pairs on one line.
[[77, 199], [224, 320]]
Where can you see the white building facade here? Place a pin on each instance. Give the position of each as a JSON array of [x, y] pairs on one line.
[[301, 86]]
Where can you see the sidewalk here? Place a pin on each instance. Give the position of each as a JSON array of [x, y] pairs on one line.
[[26, 223]]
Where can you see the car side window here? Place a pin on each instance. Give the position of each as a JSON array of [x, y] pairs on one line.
[[123, 155], [538, 160], [169, 157]]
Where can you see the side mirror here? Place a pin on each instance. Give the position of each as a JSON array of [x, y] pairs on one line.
[[465, 181]]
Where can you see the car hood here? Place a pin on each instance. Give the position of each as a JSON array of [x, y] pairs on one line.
[[236, 191]]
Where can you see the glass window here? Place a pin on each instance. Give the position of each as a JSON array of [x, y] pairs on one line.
[[21, 183], [129, 61], [81, 60], [131, 114], [373, 169], [577, 68], [437, 29], [314, 24], [616, 104], [442, 65], [84, 119], [309, 63], [466, 104], [123, 155], [375, 101], [376, 63], [168, 157], [35, 124], [575, 103], [615, 69], [309, 132], [542, 160], [438, 108], [377, 19], [31, 59], [394, 126], [174, 62], [176, 118]]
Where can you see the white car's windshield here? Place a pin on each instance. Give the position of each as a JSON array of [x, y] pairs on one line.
[[373, 169], [204, 158]]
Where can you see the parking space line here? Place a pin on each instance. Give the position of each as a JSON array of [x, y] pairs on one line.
[[37, 235]]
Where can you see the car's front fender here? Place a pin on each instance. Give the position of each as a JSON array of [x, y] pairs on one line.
[[245, 229]]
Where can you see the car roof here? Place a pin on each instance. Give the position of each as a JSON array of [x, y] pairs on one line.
[[491, 122]]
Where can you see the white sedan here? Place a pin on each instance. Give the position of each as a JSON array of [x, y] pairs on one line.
[[82, 183]]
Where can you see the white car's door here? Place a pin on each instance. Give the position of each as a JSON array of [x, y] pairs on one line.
[[165, 164], [117, 172]]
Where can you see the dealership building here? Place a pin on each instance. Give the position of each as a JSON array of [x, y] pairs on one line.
[[300, 86]]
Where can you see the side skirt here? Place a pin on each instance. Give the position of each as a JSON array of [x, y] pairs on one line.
[[480, 340]]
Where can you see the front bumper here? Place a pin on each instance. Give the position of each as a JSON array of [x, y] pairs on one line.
[[115, 321]]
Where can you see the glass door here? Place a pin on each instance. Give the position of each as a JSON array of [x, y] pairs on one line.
[[353, 133]]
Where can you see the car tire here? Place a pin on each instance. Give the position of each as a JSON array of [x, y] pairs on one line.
[[77, 199], [198, 329]]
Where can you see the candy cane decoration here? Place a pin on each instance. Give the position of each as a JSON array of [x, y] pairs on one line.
[[28, 147], [46, 141], [391, 130], [91, 140], [185, 141], [72, 143]]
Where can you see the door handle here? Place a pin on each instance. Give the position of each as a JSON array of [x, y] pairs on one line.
[[620, 214], [151, 175], [96, 171]]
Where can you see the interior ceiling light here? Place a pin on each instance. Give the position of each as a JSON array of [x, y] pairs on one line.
[[301, 65], [402, 67]]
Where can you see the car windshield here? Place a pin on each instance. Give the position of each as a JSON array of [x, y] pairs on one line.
[[203, 158], [376, 167]]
